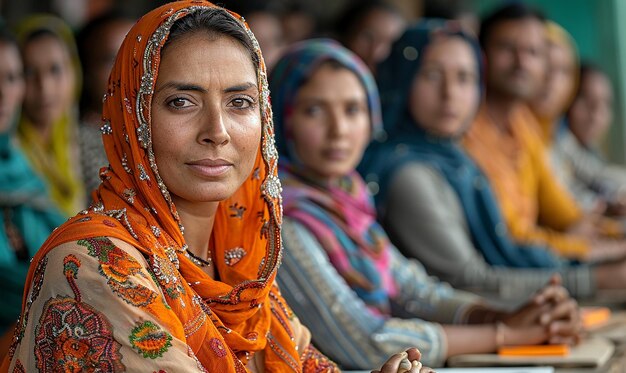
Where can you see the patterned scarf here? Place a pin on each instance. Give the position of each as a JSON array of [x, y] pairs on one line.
[[242, 312], [342, 217]]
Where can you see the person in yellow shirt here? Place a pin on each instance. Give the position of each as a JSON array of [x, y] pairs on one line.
[[505, 140]]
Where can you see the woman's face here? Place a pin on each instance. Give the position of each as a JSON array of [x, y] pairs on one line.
[[11, 84], [206, 121], [558, 87], [592, 111], [375, 34], [50, 80], [445, 92], [330, 122]]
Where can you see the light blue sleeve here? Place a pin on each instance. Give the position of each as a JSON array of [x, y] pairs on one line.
[[342, 326], [419, 295]]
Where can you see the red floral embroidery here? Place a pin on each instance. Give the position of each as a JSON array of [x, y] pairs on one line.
[[73, 336], [118, 266], [218, 347], [314, 361]]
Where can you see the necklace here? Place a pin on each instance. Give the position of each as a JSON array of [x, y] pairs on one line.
[[197, 260]]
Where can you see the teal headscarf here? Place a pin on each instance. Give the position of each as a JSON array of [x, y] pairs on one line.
[[23, 200], [406, 142]]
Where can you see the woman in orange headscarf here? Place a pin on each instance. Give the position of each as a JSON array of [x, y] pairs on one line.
[[189, 137]]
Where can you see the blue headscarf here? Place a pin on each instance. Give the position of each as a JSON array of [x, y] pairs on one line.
[[296, 66], [406, 143], [23, 199]]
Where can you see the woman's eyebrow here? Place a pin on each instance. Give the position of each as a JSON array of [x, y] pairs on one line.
[[240, 87], [181, 86]]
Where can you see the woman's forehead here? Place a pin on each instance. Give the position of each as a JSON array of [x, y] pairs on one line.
[[209, 62]]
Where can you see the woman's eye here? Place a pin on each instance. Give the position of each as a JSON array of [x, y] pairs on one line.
[[242, 103], [179, 103], [56, 69], [432, 75], [312, 110], [354, 109], [466, 77]]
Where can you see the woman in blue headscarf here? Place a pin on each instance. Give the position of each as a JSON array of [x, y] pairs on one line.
[[432, 199], [361, 298], [26, 215]]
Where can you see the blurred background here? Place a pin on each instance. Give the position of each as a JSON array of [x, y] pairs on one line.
[[595, 26]]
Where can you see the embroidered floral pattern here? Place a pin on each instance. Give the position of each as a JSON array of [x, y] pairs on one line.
[[73, 336], [38, 279], [218, 347], [117, 266], [233, 256], [167, 277], [314, 361], [150, 340]]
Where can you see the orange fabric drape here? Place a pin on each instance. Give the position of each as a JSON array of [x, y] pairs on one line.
[[535, 206], [236, 309]]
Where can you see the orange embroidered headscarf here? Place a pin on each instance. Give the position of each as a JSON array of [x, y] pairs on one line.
[[246, 233]]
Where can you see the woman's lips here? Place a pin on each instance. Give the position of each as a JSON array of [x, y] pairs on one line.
[[210, 167], [336, 154]]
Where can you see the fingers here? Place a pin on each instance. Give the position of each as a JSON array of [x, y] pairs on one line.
[[550, 293], [414, 354], [565, 332], [567, 335], [392, 365], [567, 310], [404, 362]]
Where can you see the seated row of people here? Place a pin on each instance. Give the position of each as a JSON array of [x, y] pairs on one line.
[[362, 297]]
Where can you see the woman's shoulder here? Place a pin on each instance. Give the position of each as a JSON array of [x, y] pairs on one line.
[[110, 251], [418, 176]]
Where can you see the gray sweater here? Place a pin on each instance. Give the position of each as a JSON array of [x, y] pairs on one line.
[[425, 220]]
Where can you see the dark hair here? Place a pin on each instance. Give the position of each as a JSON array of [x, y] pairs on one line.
[[6, 37], [94, 29], [445, 9], [213, 21], [86, 38], [587, 68], [40, 33], [355, 13], [514, 11]]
